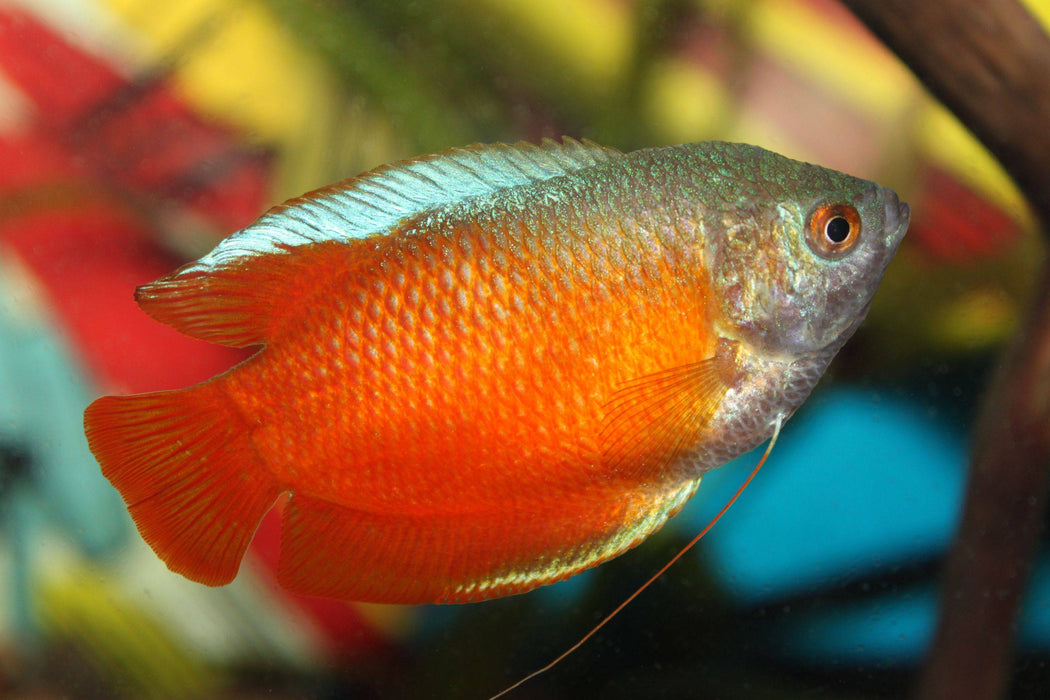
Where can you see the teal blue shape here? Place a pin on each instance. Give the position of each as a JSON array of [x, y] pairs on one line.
[[42, 398], [858, 481]]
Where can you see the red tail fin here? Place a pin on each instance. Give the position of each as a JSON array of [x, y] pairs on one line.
[[193, 483]]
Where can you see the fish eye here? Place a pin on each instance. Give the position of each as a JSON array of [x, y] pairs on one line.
[[833, 229]]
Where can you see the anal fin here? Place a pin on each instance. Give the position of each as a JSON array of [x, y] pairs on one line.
[[333, 551]]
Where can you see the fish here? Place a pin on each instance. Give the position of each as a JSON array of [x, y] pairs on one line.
[[489, 369]]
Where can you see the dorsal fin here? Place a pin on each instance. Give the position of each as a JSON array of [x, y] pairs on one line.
[[373, 203], [238, 293]]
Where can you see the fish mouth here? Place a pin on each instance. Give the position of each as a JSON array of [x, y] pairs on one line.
[[898, 214]]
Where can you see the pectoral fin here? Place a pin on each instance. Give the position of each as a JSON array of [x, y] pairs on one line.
[[653, 420]]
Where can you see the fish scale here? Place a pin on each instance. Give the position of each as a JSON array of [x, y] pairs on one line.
[[559, 389]]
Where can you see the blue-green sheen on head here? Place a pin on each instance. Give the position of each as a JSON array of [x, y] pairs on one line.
[[796, 250]]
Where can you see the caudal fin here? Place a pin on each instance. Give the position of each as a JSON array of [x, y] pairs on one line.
[[193, 483]]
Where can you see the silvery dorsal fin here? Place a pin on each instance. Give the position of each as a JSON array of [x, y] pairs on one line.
[[375, 202], [243, 291]]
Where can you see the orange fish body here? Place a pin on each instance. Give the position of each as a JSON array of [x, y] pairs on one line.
[[488, 370]]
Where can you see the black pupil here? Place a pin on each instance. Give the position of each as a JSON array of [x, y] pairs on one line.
[[837, 229]]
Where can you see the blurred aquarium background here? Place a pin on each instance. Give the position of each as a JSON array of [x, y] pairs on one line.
[[135, 134]]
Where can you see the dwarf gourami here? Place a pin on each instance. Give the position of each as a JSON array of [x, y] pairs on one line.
[[489, 369]]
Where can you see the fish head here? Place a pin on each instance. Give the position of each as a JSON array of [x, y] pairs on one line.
[[798, 253]]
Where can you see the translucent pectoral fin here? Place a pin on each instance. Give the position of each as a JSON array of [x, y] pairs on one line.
[[654, 419]]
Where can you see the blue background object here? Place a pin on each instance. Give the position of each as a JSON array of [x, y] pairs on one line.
[[857, 481], [49, 477], [860, 482]]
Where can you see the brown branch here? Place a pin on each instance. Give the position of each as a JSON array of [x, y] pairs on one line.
[[986, 572], [988, 61]]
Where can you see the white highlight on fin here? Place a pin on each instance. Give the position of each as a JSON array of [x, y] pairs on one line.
[[373, 203]]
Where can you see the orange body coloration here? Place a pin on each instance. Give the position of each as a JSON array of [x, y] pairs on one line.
[[493, 424], [481, 395]]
